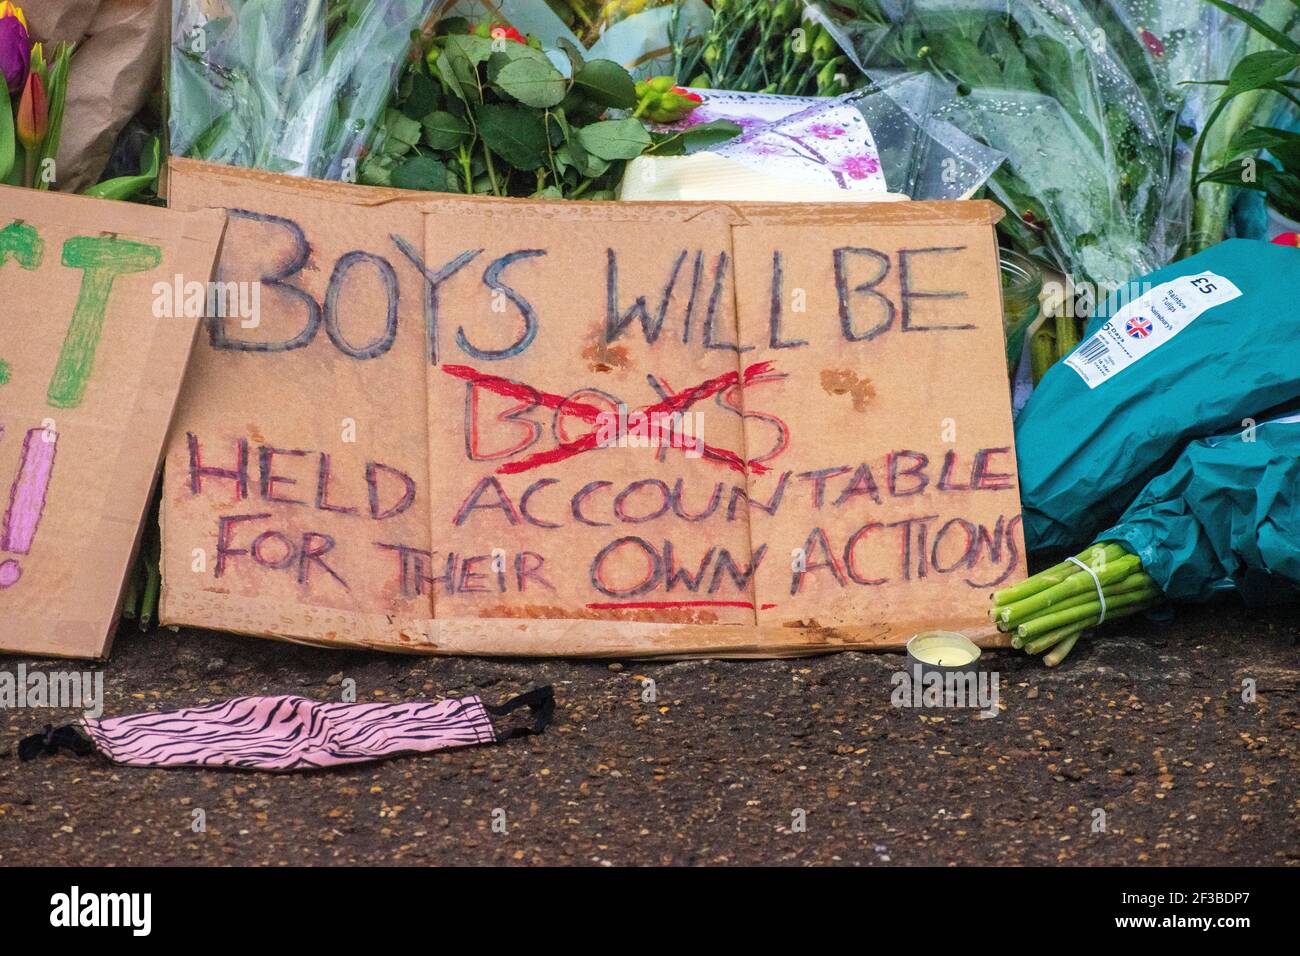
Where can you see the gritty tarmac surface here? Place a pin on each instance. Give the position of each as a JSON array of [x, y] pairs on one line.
[[762, 762]]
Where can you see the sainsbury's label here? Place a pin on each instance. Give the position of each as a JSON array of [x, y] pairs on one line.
[[1147, 323]]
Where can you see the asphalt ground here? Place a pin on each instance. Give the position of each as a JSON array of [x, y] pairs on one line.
[[1145, 747]]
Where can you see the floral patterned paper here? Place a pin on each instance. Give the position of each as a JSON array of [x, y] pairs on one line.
[[822, 142]]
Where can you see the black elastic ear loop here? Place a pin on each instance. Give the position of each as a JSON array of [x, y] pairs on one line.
[[52, 740], [540, 701]]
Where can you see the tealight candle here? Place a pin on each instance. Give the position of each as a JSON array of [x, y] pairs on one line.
[[942, 651]]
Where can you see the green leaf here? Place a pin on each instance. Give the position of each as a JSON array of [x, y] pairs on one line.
[[6, 133], [515, 133], [967, 61], [444, 130], [1016, 74], [448, 26], [1259, 25], [534, 83], [57, 90], [458, 62], [1234, 174], [576, 60], [1283, 190], [1282, 144], [571, 154], [128, 187], [509, 52], [1263, 137], [422, 97], [422, 172], [711, 134], [475, 49], [615, 139], [1259, 69], [607, 83], [402, 128], [376, 170], [580, 108], [695, 138]]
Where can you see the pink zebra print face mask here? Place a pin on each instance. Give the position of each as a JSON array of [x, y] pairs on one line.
[[294, 733]]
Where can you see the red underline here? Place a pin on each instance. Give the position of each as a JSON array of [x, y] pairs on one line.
[[654, 605]]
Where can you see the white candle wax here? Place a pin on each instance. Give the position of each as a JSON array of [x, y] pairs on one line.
[[943, 649]]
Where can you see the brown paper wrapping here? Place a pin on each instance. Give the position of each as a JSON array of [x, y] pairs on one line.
[[116, 67]]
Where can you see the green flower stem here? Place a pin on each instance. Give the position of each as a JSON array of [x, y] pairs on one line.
[[1056, 574], [577, 8], [1077, 583], [152, 584], [1052, 638], [149, 603], [1138, 581], [466, 170], [131, 601], [1059, 653], [8, 142], [492, 172], [1091, 611]]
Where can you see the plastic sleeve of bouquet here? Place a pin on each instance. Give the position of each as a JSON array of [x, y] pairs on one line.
[[639, 42], [286, 87], [1223, 517], [922, 156], [1089, 178]]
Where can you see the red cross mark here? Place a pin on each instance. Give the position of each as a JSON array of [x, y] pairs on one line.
[[675, 402]]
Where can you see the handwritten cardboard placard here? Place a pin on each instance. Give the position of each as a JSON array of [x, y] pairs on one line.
[[509, 427], [91, 363]]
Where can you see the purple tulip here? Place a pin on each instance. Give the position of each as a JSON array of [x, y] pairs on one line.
[[15, 52]]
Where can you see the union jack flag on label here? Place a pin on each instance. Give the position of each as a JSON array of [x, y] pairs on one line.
[[1139, 328]]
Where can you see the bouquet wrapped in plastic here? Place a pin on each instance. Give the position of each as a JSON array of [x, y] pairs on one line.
[[288, 86], [636, 34], [1194, 349], [1224, 519], [881, 138], [1086, 98]]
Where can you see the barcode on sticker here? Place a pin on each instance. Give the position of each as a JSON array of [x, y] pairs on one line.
[[1147, 323], [1092, 350]]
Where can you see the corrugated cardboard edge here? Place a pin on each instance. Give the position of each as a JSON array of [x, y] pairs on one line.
[[975, 212], [527, 637], [169, 364], [592, 638]]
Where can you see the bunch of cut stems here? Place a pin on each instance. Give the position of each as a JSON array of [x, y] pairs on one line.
[[1048, 612]]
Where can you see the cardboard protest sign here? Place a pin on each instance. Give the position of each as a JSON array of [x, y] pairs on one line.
[[891, 477], [510, 427], [91, 362]]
